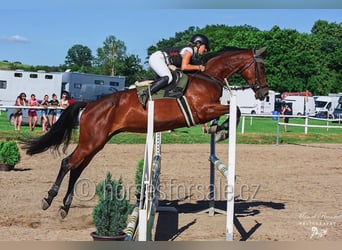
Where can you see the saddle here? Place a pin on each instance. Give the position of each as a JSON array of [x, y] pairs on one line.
[[173, 90]]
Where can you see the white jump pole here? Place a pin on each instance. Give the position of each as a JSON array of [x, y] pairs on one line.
[[231, 167], [145, 202]]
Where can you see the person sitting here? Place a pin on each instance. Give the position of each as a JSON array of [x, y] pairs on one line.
[[184, 57]]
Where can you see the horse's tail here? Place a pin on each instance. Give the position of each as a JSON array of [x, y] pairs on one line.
[[59, 133]]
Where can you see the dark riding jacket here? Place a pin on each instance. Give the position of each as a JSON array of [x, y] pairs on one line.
[[175, 58]]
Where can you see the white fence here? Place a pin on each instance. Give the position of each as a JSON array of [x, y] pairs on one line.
[[279, 123]]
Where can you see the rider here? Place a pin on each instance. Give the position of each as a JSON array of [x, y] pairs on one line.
[[184, 57]]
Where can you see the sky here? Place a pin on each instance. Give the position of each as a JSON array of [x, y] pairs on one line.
[[40, 32]]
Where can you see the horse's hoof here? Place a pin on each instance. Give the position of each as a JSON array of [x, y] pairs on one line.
[[63, 213], [45, 204], [221, 136], [212, 129]]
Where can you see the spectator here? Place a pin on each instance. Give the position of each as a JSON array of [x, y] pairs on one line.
[[64, 102], [45, 105], [286, 111], [32, 113], [54, 103], [18, 112], [71, 100], [205, 128]]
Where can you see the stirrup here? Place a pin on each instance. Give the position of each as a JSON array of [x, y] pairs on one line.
[[142, 96]]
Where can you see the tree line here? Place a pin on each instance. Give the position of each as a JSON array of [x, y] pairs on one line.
[[295, 61]]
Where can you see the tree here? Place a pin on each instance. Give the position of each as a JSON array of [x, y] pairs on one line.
[[180, 39], [328, 37], [108, 57], [130, 67], [79, 58]]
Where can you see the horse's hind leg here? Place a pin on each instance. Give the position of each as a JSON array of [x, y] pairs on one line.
[[46, 202], [80, 160], [74, 175]]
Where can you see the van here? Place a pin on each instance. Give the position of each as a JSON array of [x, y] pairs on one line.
[[337, 114], [325, 106]]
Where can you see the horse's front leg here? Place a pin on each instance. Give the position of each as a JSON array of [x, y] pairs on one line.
[[216, 128], [225, 124], [46, 202]]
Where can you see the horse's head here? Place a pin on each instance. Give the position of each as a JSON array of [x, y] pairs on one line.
[[254, 73], [248, 62]]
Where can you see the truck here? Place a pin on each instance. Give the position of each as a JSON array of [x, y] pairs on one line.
[[79, 86], [325, 106], [247, 102], [301, 105]]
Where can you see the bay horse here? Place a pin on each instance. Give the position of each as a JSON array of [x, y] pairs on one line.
[[122, 112]]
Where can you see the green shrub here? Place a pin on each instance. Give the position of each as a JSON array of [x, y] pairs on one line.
[[9, 153], [111, 212], [138, 177]]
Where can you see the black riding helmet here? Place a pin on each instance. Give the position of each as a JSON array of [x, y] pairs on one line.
[[202, 39]]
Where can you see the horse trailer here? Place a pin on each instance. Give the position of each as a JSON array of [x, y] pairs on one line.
[[301, 105], [79, 86], [247, 102]]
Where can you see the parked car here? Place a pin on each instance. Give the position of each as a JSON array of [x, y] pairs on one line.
[[325, 106], [338, 112]]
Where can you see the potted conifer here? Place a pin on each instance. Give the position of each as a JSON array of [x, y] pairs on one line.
[[9, 155], [112, 210]]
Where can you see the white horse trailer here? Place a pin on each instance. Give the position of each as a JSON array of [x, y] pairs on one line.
[[80, 86], [302, 105], [247, 102]]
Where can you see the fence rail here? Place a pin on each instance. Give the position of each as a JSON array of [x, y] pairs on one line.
[[306, 124]]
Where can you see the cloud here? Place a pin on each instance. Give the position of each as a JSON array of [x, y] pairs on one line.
[[14, 39]]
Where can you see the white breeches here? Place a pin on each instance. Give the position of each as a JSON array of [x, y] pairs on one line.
[[158, 64]]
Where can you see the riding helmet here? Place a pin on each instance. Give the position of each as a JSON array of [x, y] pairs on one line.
[[202, 39]]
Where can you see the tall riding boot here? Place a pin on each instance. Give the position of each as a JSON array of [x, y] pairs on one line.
[[159, 84], [154, 88]]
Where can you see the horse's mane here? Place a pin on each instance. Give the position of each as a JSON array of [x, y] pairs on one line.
[[223, 50]]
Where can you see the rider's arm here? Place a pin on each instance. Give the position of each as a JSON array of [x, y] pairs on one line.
[[186, 66]]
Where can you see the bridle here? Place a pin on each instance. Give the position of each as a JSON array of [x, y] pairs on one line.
[[256, 85]]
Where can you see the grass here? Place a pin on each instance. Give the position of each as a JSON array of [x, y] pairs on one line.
[[257, 131]]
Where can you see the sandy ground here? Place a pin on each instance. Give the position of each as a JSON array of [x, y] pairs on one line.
[[286, 192]]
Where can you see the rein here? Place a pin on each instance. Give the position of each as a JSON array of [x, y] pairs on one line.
[[208, 77], [256, 86], [221, 83]]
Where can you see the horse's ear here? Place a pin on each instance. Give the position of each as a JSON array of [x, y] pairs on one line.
[[260, 52]]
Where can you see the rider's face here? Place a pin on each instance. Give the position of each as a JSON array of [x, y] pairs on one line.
[[202, 49]]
